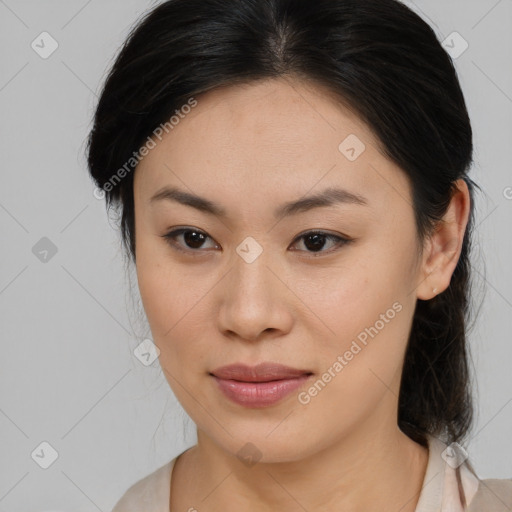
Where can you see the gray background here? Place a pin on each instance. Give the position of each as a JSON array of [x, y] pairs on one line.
[[69, 324]]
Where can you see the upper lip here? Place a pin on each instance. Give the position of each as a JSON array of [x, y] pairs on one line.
[[263, 372]]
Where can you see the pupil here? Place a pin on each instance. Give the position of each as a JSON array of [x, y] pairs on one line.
[[191, 240], [318, 241]]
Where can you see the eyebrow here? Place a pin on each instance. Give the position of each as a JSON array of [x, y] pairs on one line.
[[328, 197]]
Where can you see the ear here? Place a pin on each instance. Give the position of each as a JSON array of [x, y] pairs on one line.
[[442, 249]]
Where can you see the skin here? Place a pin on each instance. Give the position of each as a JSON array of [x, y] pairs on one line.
[[252, 148]]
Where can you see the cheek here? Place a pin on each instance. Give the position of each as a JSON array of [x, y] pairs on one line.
[[153, 282], [158, 282], [360, 367], [344, 300], [174, 304], [364, 314]]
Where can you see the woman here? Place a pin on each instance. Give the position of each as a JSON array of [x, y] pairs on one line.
[[293, 182]]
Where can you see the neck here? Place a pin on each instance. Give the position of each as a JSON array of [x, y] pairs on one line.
[[370, 470]]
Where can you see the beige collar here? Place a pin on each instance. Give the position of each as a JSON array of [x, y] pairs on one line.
[[445, 487]]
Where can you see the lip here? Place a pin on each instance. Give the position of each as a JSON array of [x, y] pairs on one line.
[[259, 386], [263, 372]]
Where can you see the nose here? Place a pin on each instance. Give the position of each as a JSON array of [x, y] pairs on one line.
[[254, 302]]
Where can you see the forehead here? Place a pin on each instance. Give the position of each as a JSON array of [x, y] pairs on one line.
[[270, 139]]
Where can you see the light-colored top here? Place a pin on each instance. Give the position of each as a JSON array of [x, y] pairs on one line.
[[446, 487]]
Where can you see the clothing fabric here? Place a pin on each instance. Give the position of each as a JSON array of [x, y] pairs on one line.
[[445, 488]]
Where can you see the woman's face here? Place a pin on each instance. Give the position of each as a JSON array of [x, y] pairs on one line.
[[249, 287]]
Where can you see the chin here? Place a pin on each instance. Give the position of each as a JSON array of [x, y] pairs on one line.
[[267, 444]]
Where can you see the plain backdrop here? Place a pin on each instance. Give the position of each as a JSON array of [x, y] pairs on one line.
[[70, 385]]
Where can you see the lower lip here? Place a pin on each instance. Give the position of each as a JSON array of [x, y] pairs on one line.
[[259, 394]]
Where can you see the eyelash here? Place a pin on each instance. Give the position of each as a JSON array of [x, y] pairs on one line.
[[170, 239]]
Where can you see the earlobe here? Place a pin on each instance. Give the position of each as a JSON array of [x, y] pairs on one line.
[[444, 246]]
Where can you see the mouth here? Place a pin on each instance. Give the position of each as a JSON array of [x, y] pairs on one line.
[[259, 386]]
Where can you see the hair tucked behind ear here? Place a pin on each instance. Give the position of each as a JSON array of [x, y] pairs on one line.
[[435, 392], [378, 57]]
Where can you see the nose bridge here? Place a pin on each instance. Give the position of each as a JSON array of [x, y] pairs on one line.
[[252, 297], [251, 273]]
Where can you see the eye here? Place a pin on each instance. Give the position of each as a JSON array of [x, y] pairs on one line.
[[315, 240], [194, 239]]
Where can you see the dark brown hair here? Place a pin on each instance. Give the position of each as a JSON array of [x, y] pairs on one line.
[[377, 56]]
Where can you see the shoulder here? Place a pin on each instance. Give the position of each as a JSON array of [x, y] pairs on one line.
[[492, 495], [148, 493]]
